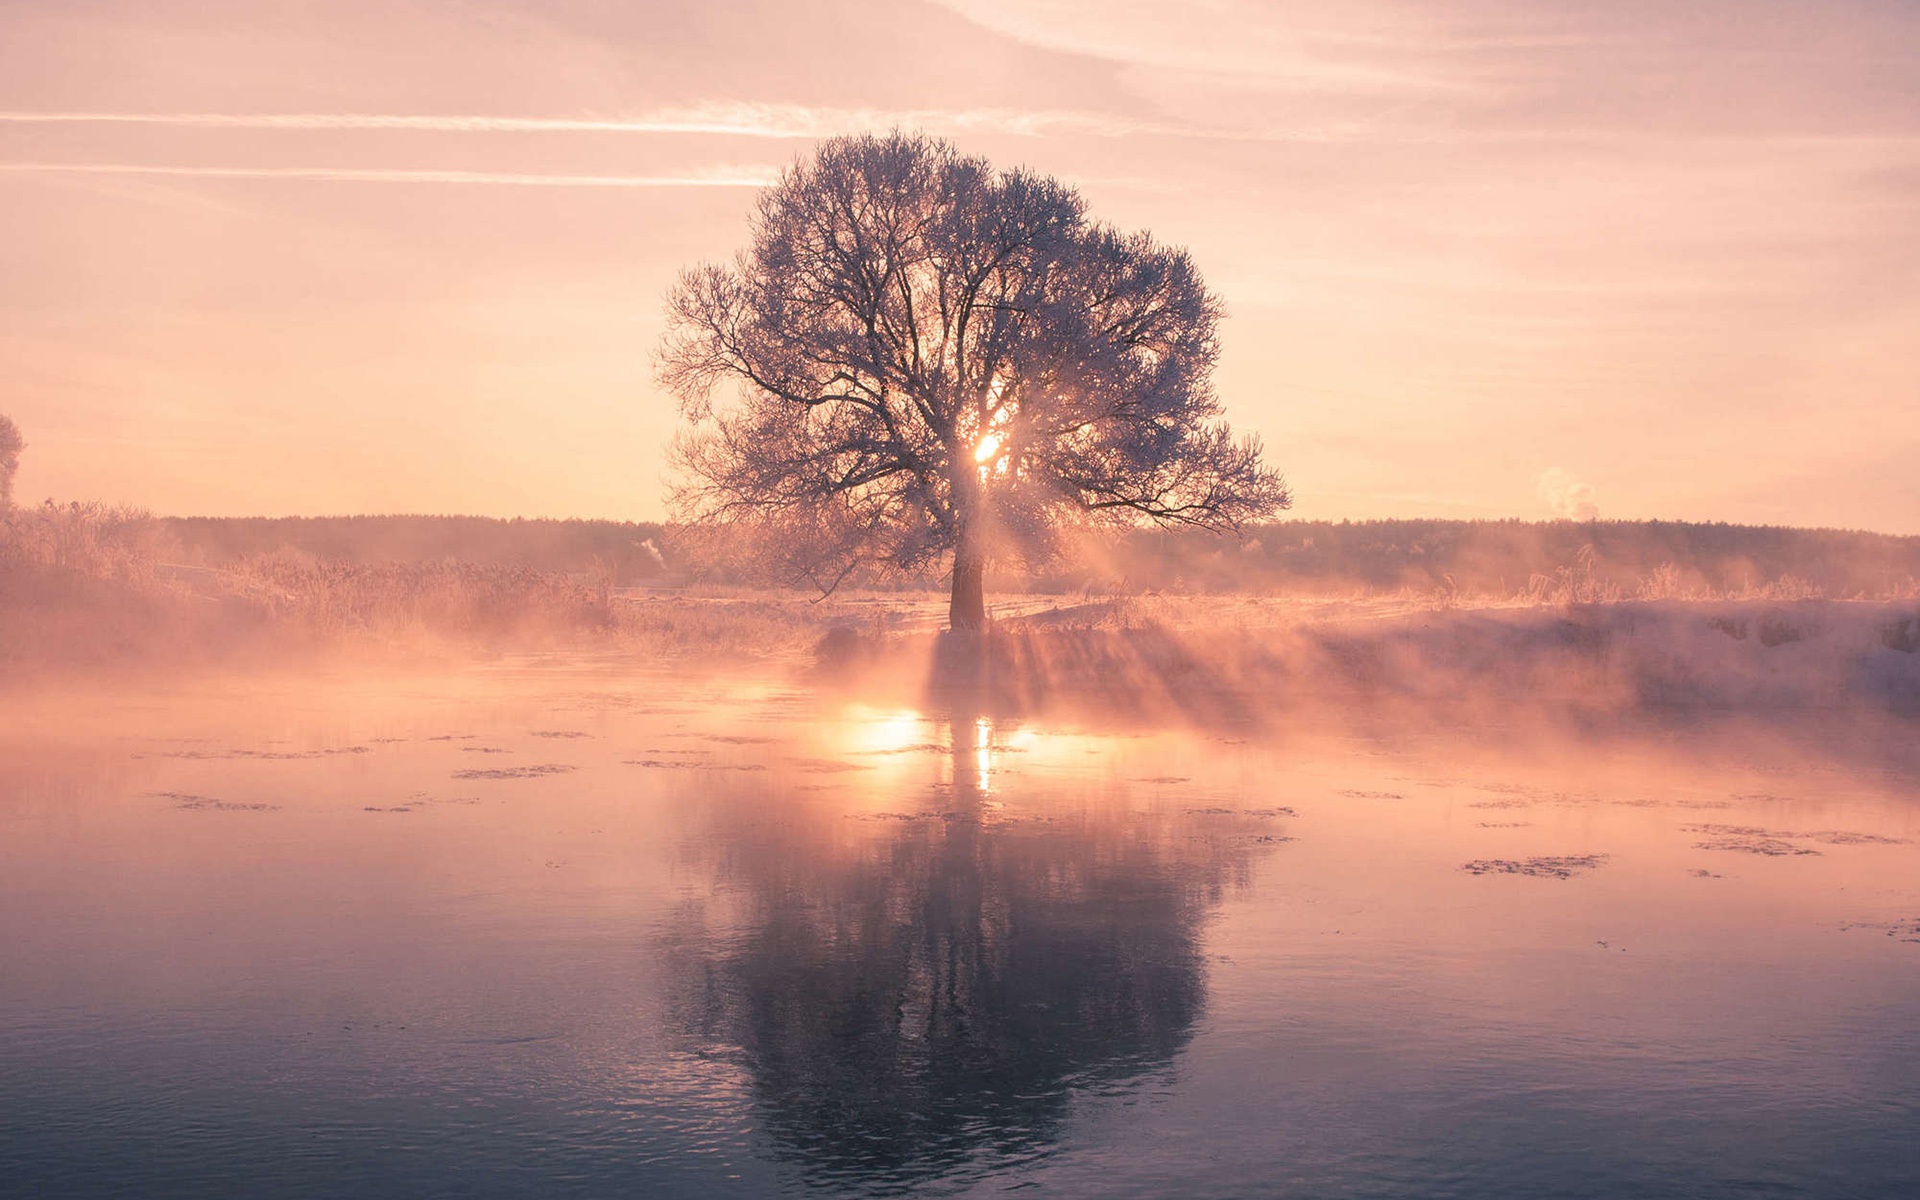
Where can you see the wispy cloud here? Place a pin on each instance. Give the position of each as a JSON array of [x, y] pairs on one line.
[[704, 177], [1354, 49], [794, 122], [734, 119], [784, 121]]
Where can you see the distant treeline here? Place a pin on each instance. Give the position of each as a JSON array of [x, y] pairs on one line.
[[628, 550], [1486, 558], [1499, 558], [89, 584]]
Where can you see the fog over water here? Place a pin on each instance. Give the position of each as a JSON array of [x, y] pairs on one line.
[[1114, 599], [561, 926]]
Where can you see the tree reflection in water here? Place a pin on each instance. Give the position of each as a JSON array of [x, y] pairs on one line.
[[935, 995]]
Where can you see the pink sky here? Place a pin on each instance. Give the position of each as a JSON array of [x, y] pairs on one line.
[[1480, 257]]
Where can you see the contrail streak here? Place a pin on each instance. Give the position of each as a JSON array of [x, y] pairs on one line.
[[744, 177], [786, 121], [800, 122]]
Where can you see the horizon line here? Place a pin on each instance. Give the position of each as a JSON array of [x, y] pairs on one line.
[[1280, 520]]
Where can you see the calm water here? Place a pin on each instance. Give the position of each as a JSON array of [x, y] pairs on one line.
[[550, 931]]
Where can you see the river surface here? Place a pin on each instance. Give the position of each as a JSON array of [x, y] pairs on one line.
[[568, 929]]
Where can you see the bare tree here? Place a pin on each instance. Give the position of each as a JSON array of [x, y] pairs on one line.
[[11, 444], [919, 356]]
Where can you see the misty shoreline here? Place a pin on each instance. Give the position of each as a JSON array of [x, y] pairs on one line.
[[1152, 631], [1200, 660]]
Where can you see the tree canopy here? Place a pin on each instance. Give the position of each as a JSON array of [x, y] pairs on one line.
[[918, 356]]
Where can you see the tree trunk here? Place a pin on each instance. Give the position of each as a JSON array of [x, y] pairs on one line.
[[968, 612], [969, 608]]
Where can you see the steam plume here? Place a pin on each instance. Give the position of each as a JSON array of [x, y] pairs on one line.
[[1566, 496]]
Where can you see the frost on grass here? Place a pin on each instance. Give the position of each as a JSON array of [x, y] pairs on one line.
[[1564, 866]]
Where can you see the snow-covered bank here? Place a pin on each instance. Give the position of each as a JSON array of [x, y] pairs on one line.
[[1653, 655], [1745, 654]]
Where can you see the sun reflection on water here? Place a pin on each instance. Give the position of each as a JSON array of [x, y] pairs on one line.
[[887, 731], [983, 754]]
